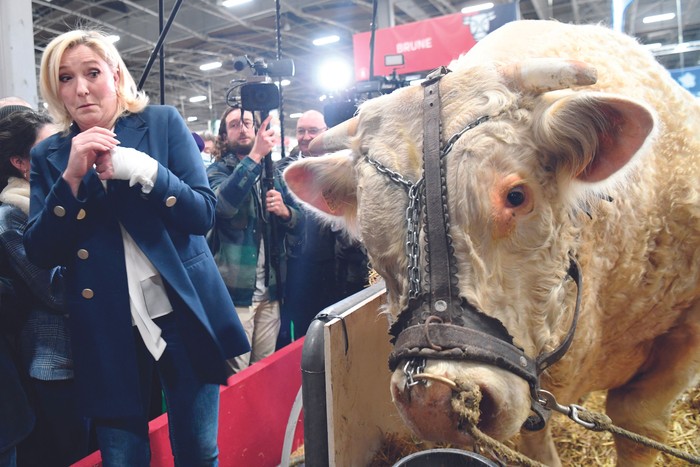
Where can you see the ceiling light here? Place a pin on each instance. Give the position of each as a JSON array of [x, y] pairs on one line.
[[233, 3], [658, 18], [335, 74], [198, 99], [295, 115], [112, 38], [479, 7], [191, 119], [326, 40], [210, 66], [285, 82]]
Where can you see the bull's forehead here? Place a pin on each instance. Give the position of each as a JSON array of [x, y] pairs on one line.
[[391, 126]]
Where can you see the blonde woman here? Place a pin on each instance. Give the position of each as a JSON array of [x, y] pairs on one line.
[[121, 199]]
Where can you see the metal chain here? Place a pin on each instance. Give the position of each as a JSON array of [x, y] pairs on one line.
[[414, 366], [394, 176], [415, 193], [412, 223], [413, 238], [448, 147], [596, 421]]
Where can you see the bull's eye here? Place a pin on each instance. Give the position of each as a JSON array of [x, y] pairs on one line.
[[516, 196]]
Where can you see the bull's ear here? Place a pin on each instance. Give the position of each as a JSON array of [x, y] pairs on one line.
[[593, 135], [327, 183]]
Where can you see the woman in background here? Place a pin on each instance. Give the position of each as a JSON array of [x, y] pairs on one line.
[[60, 436]]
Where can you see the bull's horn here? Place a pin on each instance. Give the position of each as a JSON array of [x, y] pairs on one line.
[[549, 74], [334, 139]]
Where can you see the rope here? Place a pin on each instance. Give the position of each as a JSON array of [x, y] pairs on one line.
[[602, 422], [466, 404]]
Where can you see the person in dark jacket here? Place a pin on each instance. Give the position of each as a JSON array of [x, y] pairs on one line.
[[316, 251], [16, 414], [248, 236], [120, 198], [61, 435]]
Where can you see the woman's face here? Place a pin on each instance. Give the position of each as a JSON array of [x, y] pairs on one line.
[[87, 87]]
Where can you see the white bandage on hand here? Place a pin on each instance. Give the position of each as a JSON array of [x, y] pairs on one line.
[[135, 166]]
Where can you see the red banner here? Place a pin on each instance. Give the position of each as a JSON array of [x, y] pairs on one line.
[[427, 44]]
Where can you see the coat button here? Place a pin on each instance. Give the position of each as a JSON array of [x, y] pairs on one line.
[[170, 201], [59, 211], [83, 253], [88, 293], [81, 215]]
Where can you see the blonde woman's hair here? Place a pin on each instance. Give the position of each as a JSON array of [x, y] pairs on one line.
[[129, 98]]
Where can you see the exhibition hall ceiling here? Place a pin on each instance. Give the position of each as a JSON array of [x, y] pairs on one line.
[[204, 30]]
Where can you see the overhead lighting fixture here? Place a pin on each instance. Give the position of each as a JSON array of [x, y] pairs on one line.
[[198, 99], [285, 82], [295, 115], [658, 18], [210, 66], [233, 3], [191, 119], [112, 38], [326, 40], [335, 74], [479, 7]]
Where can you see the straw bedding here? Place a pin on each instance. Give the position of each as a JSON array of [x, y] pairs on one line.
[[578, 446]]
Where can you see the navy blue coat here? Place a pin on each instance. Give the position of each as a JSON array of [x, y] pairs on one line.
[[168, 225]]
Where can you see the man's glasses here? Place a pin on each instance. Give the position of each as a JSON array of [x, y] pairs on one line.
[[313, 132]]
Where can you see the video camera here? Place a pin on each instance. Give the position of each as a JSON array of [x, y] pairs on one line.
[[258, 92], [343, 107]]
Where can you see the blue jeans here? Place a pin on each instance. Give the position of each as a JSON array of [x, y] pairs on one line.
[[193, 410]]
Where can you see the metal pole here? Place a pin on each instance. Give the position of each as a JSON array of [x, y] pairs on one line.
[[159, 44], [313, 383]]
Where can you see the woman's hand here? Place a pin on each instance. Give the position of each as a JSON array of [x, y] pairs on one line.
[[85, 148]]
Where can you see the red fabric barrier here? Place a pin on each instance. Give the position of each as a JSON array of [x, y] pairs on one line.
[[253, 415]]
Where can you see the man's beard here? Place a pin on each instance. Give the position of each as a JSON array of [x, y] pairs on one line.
[[238, 149]]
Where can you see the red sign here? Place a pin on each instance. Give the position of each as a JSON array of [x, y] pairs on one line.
[[428, 44], [424, 44]]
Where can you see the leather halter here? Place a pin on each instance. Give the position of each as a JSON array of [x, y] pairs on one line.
[[439, 323]]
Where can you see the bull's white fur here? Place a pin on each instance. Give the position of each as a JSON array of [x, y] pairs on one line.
[[639, 332]]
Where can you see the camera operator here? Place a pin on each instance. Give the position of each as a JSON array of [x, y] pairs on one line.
[[240, 240]]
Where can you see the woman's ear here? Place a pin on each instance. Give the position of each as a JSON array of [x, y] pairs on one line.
[[22, 164], [18, 163]]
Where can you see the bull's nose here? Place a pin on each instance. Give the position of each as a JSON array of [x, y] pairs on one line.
[[440, 409], [428, 410]]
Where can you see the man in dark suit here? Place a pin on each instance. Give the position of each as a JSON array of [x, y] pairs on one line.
[[318, 254]]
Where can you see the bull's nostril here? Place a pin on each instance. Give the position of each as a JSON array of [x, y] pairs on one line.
[[488, 409]]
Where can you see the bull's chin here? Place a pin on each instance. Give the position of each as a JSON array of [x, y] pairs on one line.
[[427, 407]]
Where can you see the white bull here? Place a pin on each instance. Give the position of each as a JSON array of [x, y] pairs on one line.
[[608, 171]]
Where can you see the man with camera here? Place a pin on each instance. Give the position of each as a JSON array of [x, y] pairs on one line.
[[251, 223], [316, 250]]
